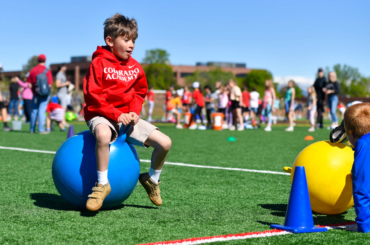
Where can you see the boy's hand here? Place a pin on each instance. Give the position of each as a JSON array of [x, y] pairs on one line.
[[134, 118], [125, 119]]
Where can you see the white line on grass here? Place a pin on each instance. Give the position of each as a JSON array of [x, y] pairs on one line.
[[168, 163]]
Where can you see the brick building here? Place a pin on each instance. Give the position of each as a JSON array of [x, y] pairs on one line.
[[78, 67]]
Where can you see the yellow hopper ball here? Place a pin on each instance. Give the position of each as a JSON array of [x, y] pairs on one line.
[[328, 171]]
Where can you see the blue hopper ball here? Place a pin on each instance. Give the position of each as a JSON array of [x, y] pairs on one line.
[[75, 173]]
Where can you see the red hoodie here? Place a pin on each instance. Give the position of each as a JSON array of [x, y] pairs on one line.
[[112, 86]]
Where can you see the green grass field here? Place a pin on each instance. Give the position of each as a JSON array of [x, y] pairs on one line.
[[197, 202]]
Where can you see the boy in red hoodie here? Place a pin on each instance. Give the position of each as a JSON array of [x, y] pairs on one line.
[[114, 90]]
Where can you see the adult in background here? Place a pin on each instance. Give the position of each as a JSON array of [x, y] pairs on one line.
[[62, 86], [14, 99], [236, 100], [27, 96], [332, 89], [319, 85], [39, 102]]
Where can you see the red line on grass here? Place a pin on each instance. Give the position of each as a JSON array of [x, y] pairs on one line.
[[240, 236]]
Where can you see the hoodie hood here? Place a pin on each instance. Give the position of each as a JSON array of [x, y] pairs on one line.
[[104, 52]]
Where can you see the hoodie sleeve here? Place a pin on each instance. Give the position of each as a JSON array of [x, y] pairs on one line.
[[141, 89], [94, 94], [361, 186]]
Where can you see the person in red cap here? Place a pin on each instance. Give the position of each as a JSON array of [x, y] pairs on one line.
[[39, 101]]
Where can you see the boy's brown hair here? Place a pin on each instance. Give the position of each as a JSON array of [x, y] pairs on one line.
[[357, 119], [119, 25]]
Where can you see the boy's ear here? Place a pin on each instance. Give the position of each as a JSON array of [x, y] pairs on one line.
[[109, 41]]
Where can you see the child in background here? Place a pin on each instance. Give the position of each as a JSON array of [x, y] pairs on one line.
[[246, 103], [55, 113], [289, 104], [357, 125], [236, 101], [210, 105], [199, 104], [186, 99], [173, 107], [150, 100], [255, 96], [223, 100], [166, 117], [341, 108], [269, 102], [311, 110]]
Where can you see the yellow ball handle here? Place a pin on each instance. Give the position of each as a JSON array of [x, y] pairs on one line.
[[288, 169]]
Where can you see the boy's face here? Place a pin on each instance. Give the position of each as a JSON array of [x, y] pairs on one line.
[[121, 47]]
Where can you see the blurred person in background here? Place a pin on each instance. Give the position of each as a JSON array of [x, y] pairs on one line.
[[56, 113], [289, 105], [342, 109], [198, 102], [14, 99], [246, 103], [62, 86], [254, 98], [332, 90], [174, 106], [77, 102], [27, 96], [268, 104], [319, 85], [4, 113], [311, 110], [210, 104], [236, 102], [186, 99], [39, 103], [150, 100], [168, 97]]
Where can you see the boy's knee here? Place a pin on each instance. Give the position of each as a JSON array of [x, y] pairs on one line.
[[166, 143], [103, 134]]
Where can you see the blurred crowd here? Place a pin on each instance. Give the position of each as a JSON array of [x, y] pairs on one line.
[[241, 108], [33, 101]]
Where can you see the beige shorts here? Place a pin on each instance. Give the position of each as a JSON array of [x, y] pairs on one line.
[[137, 135]]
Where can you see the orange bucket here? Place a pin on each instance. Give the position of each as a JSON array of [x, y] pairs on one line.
[[187, 117], [218, 120]]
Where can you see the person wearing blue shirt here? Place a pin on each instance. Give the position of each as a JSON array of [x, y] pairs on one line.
[[357, 125]]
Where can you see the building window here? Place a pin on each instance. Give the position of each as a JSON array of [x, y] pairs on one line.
[[185, 74]]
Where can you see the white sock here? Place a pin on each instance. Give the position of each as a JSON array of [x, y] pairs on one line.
[[154, 175], [103, 177]]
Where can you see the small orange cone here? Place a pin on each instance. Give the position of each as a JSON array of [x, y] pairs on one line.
[[308, 137]]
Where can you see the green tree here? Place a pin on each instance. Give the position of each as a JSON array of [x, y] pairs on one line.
[[156, 56], [31, 63], [257, 79], [158, 71], [160, 76], [210, 77]]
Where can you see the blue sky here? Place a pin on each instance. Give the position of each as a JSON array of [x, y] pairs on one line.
[[289, 38]]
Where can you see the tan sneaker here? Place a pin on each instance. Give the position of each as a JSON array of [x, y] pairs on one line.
[[151, 188], [100, 192]]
